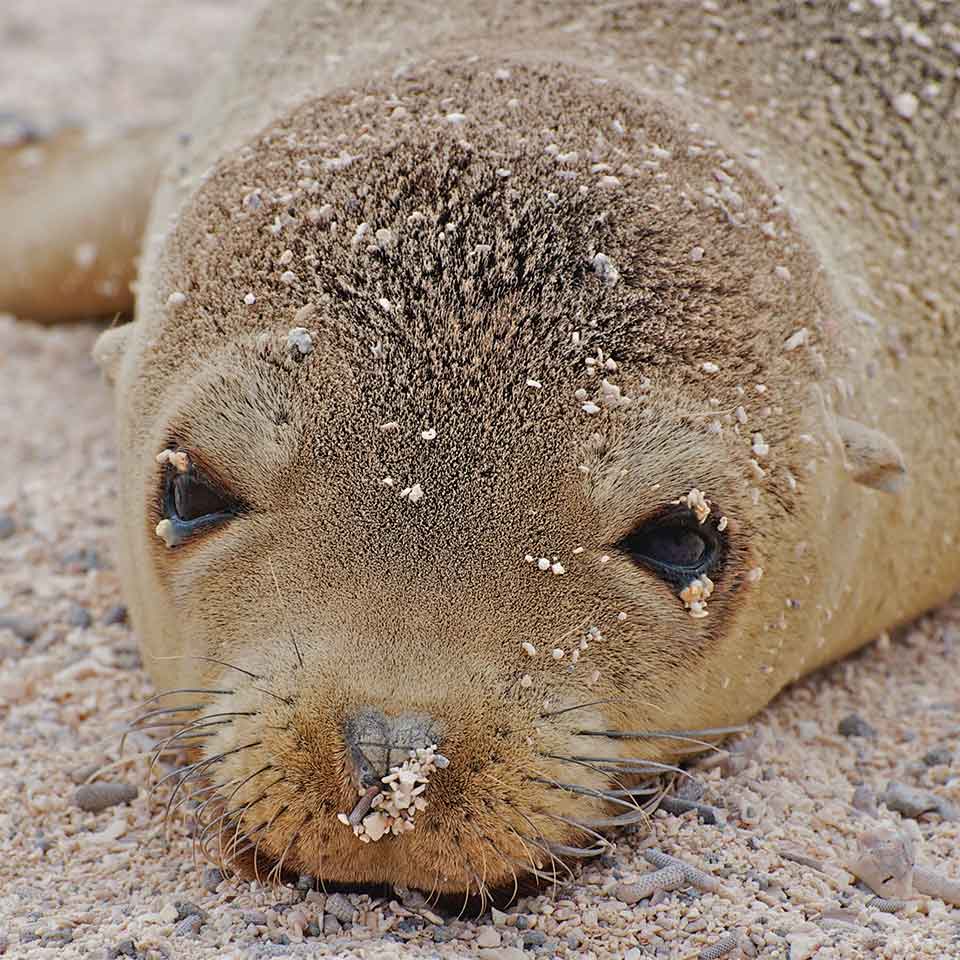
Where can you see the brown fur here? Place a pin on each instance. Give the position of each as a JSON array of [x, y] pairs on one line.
[[839, 219]]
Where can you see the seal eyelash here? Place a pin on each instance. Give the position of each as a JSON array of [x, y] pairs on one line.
[[190, 503], [676, 546]]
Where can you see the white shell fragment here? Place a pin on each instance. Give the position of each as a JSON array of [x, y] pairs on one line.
[[394, 808], [177, 459], [697, 502], [605, 269], [166, 533], [299, 341], [797, 339], [695, 595]]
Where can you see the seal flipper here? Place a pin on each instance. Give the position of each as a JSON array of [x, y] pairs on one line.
[[72, 216]]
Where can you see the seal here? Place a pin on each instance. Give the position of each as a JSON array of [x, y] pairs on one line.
[[516, 401]]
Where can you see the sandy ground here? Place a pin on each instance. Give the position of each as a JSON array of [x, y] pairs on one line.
[[79, 884]]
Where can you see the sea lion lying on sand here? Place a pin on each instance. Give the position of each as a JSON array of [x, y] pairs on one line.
[[513, 389]]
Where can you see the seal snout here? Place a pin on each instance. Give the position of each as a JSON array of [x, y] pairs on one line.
[[376, 742]]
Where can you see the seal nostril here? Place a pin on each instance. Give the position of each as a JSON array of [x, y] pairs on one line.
[[376, 742]]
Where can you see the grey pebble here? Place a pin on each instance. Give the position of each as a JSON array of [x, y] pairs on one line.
[[313, 930], [116, 614], [94, 797], [23, 627], [522, 922], [127, 658], [853, 725], [125, 948], [913, 803], [331, 925], [7, 526], [78, 616], [938, 756], [340, 907], [83, 560], [81, 774], [187, 909], [257, 917], [534, 938], [212, 878], [443, 934]]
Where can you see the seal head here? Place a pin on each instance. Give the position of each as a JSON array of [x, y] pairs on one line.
[[490, 425]]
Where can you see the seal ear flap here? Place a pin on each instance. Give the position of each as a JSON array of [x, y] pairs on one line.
[[109, 350], [872, 457]]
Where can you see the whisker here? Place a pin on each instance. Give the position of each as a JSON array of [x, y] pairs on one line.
[[222, 663], [283, 608], [486, 840], [581, 706], [545, 845], [192, 770], [256, 850], [276, 873], [286, 701], [577, 824], [181, 690], [610, 796], [687, 736], [619, 764]]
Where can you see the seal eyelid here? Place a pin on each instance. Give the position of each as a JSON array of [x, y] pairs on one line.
[[675, 546]]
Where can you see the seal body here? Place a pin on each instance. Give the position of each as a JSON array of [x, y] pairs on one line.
[[451, 306]]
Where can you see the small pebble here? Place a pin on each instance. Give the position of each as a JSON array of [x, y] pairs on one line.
[[488, 937], [7, 526], [116, 614], [78, 616], [340, 907], [23, 627], [94, 797], [853, 725], [212, 878], [939, 756], [83, 560], [913, 803]]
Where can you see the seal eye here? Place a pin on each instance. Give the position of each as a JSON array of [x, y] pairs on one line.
[[674, 546], [193, 500], [679, 548], [190, 504]]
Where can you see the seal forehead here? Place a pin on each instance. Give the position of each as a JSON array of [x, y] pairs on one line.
[[403, 215], [459, 252]]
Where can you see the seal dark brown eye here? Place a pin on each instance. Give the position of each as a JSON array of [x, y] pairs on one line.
[[190, 503], [193, 500], [677, 547]]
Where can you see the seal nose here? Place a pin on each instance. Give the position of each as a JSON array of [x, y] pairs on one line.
[[376, 742]]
